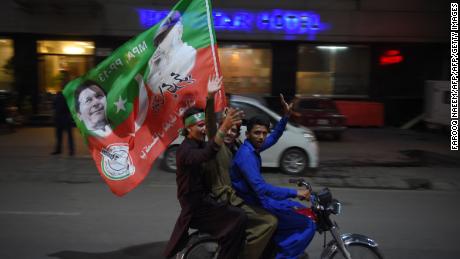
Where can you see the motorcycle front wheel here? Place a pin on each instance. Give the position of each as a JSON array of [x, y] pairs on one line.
[[358, 251]]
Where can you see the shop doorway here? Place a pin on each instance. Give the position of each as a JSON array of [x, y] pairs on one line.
[[56, 58]]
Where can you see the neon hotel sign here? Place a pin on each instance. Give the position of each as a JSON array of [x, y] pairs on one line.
[[274, 21]]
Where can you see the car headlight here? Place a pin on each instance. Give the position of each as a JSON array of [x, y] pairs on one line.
[[310, 137]]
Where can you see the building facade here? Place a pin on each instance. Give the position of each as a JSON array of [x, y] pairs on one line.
[[374, 50]]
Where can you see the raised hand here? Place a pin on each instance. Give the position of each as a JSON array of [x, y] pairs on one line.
[[214, 85], [233, 117], [287, 108]]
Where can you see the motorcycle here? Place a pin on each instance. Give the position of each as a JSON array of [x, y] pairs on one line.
[[323, 205], [349, 245]]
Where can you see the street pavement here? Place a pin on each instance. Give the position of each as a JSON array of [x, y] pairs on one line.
[[396, 186], [375, 158]]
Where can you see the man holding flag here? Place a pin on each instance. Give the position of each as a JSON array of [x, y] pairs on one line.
[[199, 210], [142, 91]]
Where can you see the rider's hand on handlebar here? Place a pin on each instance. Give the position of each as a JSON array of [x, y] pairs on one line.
[[303, 194]]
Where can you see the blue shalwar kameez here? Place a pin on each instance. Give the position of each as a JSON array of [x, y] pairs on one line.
[[295, 231]]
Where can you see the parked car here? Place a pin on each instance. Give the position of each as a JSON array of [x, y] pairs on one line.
[[294, 152], [320, 115]]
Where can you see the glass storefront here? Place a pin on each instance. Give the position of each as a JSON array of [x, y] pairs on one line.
[[6, 65], [246, 68], [59, 57], [333, 70]]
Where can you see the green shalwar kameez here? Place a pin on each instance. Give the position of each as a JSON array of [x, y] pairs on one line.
[[261, 224]]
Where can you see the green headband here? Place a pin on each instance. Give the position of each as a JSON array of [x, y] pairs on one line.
[[194, 119]]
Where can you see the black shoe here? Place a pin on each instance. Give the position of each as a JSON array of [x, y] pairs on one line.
[[56, 153]]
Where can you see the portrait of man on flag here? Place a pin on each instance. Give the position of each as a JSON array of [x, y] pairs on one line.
[[171, 63], [91, 107]]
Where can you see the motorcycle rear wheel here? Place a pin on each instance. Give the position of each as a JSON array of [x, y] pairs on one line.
[[204, 247], [359, 251]]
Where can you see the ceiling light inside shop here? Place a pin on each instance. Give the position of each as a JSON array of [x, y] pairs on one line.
[[65, 47], [332, 47], [73, 50], [235, 56], [85, 44]]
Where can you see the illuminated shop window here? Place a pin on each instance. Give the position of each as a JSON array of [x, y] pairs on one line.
[[333, 70], [57, 58], [6, 64], [246, 69], [65, 47]]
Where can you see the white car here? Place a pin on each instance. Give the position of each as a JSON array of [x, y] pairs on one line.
[[294, 152]]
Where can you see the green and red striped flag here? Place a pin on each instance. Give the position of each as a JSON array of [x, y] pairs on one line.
[[129, 108]]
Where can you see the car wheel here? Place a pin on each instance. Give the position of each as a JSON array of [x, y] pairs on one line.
[[169, 159], [294, 162]]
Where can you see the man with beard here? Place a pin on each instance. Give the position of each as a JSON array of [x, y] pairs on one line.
[[172, 61]]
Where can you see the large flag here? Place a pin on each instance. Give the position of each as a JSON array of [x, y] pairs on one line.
[[129, 108]]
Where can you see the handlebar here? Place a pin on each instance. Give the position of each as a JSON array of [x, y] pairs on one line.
[[322, 200], [301, 182]]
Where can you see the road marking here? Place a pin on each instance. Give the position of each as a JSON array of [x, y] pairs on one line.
[[40, 213]]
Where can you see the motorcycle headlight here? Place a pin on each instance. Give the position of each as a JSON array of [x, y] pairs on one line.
[[336, 207]]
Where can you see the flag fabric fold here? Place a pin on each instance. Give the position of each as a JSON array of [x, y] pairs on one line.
[[129, 108]]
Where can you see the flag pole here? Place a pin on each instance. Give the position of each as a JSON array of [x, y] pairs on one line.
[[211, 36]]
